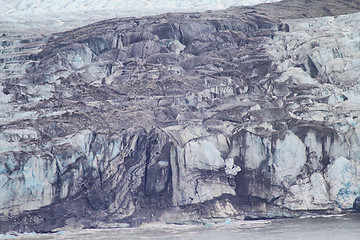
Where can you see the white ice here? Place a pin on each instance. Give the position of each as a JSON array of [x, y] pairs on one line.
[[53, 16], [131, 7]]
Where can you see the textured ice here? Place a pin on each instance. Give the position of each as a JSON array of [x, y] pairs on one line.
[[302, 169], [310, 193], [343, 178], [322, 53], [289, 158]]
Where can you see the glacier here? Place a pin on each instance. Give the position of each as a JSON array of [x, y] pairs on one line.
[[54, 16], [132, 8], [247, 113], [322, 54]]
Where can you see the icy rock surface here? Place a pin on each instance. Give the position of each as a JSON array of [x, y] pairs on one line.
[[216, 114]]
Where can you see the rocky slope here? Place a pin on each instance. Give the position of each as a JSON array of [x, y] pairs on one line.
[[179, 117]]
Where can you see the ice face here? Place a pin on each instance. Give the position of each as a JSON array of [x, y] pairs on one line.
[[289, 136], [343, 179], [324, 53]]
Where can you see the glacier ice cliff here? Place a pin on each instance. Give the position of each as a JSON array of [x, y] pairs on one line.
[[248, 112]]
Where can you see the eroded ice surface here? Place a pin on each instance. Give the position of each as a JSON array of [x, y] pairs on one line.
[[279, 112], [323, 55]]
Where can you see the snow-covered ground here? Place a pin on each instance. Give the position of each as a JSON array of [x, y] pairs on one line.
[[133, 7], [54, 15]]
